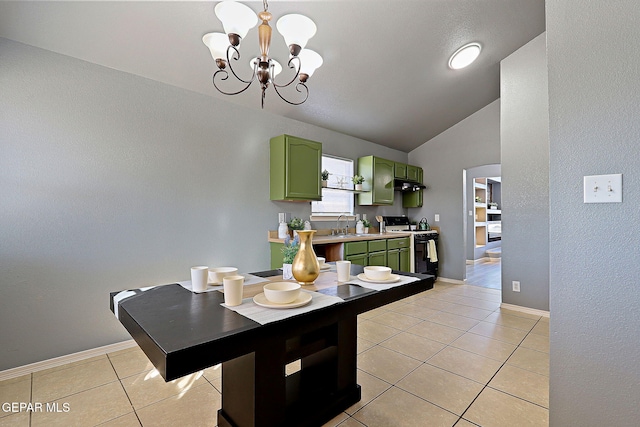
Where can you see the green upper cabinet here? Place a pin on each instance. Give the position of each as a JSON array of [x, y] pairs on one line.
[[413, 199], [295, 168], [378, 175], [400, 170], [412, 173]]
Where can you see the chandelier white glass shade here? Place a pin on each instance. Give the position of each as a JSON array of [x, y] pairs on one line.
[[464, 56], [237, 19]]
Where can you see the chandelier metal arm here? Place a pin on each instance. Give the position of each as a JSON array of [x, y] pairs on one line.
[[232, 53], [235, 55], [306, 93], [295, 77]]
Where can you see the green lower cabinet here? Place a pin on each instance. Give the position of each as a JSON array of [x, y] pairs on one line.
[[405, 260], [399, 256], [393, 259], [378, 258], [276, 254], [357, 259]]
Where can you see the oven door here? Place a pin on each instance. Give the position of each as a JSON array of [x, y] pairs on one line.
[[420, 253], [422, 262]]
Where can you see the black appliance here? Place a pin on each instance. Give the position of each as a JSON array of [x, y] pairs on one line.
[[423, 263]]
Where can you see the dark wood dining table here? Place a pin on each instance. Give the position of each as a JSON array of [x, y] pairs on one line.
[[182, 332]]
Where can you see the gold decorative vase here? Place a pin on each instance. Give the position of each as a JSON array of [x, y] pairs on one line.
[[305, 267]]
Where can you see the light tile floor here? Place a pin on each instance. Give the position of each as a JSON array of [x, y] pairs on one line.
[[487, 273], [446, 357]]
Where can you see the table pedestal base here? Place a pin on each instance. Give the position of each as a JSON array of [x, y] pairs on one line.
[[256, 392]]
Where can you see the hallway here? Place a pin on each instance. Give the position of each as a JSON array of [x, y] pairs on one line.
[[487, 274]]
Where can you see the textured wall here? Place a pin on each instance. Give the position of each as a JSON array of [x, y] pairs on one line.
[[525, 175], [475, 141], [594, 89], [110, 181]]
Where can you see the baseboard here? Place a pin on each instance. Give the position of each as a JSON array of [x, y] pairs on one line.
[[63, 360], [525, 309], [444, 279]]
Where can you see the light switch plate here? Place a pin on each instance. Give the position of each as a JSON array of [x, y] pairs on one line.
[[603, 188], [437, 217]]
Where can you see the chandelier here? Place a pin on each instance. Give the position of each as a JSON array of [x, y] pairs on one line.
[[237, 19]]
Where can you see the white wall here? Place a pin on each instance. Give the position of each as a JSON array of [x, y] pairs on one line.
[[475, 141], [594, 89], [524, 127], [110, 181]]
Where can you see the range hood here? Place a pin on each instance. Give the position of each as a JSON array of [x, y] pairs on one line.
[[406, 185]]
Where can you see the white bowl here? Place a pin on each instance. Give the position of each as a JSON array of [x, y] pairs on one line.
[[375, 272], [321, 260], [281, 292], [218, 273]]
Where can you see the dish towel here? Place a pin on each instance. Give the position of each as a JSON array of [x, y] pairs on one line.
[[433, 255]]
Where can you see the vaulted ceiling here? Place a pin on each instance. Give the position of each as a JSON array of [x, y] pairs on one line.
[[384, 79]]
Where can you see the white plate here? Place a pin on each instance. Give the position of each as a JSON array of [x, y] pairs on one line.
[[325, 267], [394, 278], [303, 299]]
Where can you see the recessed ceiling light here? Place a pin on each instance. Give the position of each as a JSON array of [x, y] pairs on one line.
[[464, 56]]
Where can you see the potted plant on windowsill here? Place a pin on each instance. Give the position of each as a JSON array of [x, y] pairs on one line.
[[357, 181], [296, 224], [289, 251], [492, 205], [325, 177]]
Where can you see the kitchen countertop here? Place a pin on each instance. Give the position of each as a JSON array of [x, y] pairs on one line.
[[324, 239]]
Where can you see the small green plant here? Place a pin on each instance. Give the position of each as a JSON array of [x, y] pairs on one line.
[[357, 179], [492, 204], [296, 224], [290, 249], [366, 223], [325, 175], [478, 199]]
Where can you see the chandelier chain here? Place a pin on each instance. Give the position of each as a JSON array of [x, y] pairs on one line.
[[265, 5]]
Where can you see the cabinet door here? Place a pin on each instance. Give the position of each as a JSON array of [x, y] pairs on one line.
[[357, 259], [400, 170], [276, 254], [405, 259], [383, 177], [393, 259], [414, 199], [378, 258], [295, 168], [412, 173]]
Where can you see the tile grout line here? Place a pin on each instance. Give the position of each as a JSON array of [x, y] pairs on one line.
[[496, 373]]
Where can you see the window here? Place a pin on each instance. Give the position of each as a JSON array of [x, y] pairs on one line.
[[335, 200]]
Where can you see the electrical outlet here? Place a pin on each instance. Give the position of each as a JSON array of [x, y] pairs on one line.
[[437, 217], [516, 286]]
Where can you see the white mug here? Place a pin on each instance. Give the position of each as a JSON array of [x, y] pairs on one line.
[[344, 270], [321, 261], [199, 278], [233, 290]]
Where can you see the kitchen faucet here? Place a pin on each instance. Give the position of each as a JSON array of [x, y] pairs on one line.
[[346, 230]]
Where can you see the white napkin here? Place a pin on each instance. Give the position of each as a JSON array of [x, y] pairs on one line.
[[264, 315]]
